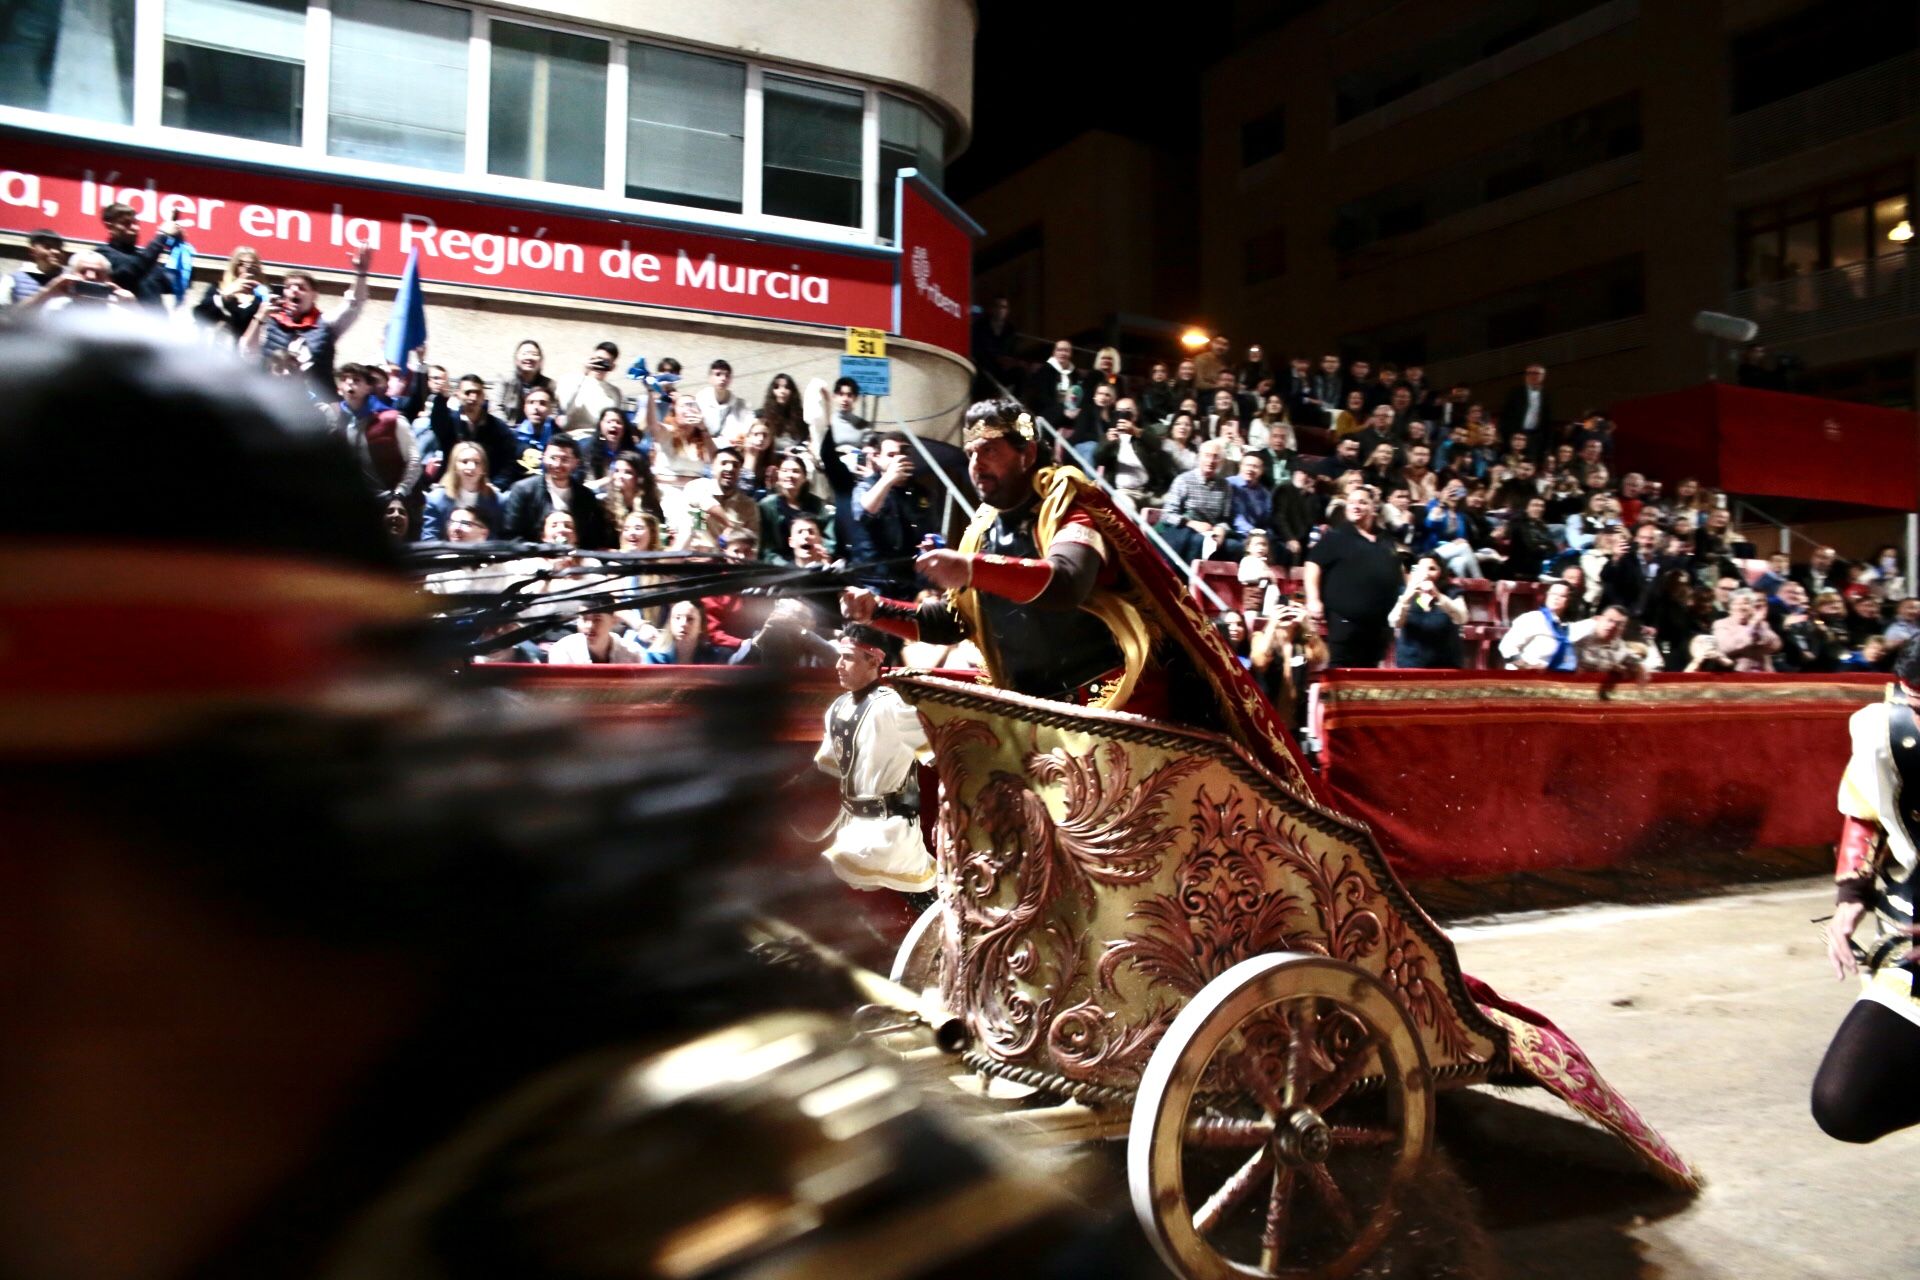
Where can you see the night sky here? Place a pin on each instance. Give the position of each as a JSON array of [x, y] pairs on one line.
[[1047, 72]]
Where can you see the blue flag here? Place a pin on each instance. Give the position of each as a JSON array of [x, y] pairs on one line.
[[407, 328]]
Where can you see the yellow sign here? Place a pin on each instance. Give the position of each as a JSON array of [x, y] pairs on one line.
[[867, 342]]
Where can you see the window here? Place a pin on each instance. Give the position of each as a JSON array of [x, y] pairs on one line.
[[72, 57], [397, 91], [1817, 44], [1840, 224], [686, 128], [909, 139], [1264, 256], [1263, 138], [812, 166], [236, 67], [548, 93]]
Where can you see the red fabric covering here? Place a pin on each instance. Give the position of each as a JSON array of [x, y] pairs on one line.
[[1773, 444], [1466, 773]]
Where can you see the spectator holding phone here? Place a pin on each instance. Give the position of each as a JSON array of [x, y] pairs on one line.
[[1427, 619], [88, 280], [293, 330], [230, 303], [139, 269], [47, 254]]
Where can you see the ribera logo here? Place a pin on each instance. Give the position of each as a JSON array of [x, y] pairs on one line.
[[924, 285]]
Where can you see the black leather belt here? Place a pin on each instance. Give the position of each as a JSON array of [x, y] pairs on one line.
[[880, 806]]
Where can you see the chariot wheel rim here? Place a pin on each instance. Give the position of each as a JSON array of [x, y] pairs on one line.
[[1318, 1141]]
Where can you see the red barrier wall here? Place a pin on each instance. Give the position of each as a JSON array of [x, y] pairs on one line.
[[1466, 773]]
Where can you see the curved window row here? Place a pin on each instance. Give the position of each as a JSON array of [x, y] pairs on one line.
[[458, 89]]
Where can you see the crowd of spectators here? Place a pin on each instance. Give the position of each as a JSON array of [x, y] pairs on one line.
[[1377, 502], [1355, 505]]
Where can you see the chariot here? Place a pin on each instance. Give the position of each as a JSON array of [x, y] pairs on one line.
[[1148, 933]]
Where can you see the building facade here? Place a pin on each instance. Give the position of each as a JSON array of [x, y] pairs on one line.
[[1479, 186], [742, 181]]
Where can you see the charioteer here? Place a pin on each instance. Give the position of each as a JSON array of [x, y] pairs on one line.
[[1035, 584]]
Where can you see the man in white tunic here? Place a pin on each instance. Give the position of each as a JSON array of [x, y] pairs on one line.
[[1865, 1085], [873, 739]]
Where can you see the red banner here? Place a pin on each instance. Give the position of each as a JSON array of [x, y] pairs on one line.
[[315, 222], [936, 269]]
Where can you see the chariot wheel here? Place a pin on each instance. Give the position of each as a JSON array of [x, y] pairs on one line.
[[1277, 1120], [916, 965]]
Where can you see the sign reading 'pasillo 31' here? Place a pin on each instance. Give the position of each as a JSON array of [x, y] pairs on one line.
[[305, 222]]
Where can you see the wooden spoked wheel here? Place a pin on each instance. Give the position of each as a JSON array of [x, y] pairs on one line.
[[1276, 1121], [916, 965]]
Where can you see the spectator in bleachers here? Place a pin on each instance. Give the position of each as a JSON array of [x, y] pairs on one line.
[[1543, 639], [1530, 544], [1379, 470], [1401, 522], [757, 459], [1807, 643], [595, 392], [716, 509], [1344, 458], [684, 642], [1252, 502], [1529, 408], [389, 457], [1863, 615], [628, 486], [510, 392], [1270, 429], [806, 543], [1054, 390], [1283, 654], [1179, 443], [1422, 481], [612, 435], [1352, 581], [788, 500], [141, 270], [1096, 419], [1905, 625], [1196, 519], [533, 432], [1297, 511], [1216, 359], [447, 424], [555, 490], [726, 414], [230, 303], [1825, 571], [1743, 636], [783, 413], [1579, 602], [46, 259], [1872, 655], [892, 517], [1603, 646], [1233, 629], [1157, 399], [463, 486], [682, 451], [995, 344], [1427, 619], [595, 641], [1134, 462], [1884, 573], [1672, 618], [1447, 533], [1629, 579], [294, 335]]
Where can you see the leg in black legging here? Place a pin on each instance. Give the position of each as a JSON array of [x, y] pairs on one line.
[[1868, 1086]]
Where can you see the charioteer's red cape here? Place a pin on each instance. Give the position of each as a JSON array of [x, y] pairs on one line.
[[1154, 619]]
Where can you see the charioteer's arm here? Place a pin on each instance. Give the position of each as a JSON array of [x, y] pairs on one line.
[[1061, 582], [1857, 854]]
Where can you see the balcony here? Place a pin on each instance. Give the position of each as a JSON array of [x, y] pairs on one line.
[[1822, 302], [1879, 95]]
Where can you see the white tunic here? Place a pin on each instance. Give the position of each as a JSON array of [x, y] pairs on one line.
[[884, 852], [1870, 791]]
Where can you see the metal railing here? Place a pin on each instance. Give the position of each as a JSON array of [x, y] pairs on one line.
[[1879, 289], [1868, 99]]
